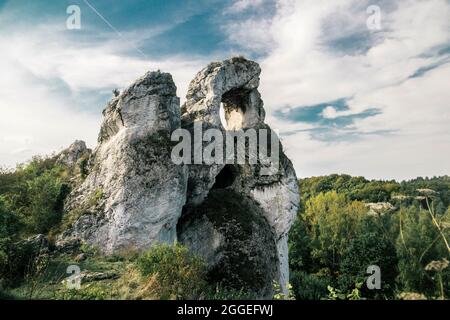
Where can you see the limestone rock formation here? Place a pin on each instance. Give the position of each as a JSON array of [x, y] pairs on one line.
[[380, 208], [233, 84], [235, 215], [75, 153], [134, 194]]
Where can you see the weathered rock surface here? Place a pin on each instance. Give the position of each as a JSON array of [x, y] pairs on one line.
[[75, 153], [234, 215], [234, 85], [35, 245], [231, 233], [380, 208], [134, 194], [29, 255]]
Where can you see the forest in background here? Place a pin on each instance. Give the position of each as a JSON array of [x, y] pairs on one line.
[[344, 225], [347, 224]]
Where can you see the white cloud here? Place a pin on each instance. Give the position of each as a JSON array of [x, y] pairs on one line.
[[242, 5], [304, 66], [330, 113], [37, 116]]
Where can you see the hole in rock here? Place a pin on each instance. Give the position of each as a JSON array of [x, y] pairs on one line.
[[229, 231], [225, 178], [233, 108]]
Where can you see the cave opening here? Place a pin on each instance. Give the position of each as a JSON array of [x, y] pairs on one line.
[[225, 178], [233, 108]]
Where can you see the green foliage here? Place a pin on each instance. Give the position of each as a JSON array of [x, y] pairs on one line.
[[177, 273], [36, 193], [320, 242], [299, 246], [330, 245], [332, 223], [337, 294], [5, 294], [308, 286], [366, 249], [9, 226], [86, 292], [279, 295], [9, 221], [31, 201], [359, 188], [44, 209], [83, 166], [354, 188], [335, 238], [418, 244], [441, 185]]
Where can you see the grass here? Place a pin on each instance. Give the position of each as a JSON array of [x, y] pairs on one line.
[[48, 284]]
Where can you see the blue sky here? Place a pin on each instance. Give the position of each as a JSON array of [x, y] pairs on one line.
[[346, 98]]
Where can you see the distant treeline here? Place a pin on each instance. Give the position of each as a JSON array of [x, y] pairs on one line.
[[347, 224]]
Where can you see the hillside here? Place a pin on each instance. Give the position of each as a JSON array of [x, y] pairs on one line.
[[347, 224], [334, 240]]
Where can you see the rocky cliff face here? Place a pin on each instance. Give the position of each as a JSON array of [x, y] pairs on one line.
[[134, 194], [74, 154], [233, 84], [233, 214]]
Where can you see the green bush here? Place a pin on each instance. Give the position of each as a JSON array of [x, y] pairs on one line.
[[36, 192], [9, 227], [418, 244], [367, 249], [308, 286], [87, 292], [5, 295], [176, 273], [44, 211]]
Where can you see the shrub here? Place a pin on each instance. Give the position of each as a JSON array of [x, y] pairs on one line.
[[419, 243], [44, 209], [368, 249], [308, 286], [87, 292], [9, 227], [172, 272], [5, 295]]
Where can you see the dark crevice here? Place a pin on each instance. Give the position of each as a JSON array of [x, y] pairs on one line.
[[236, 99], [225, 178]]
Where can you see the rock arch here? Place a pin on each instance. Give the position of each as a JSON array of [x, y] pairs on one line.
[[233, 216], [273, 199]]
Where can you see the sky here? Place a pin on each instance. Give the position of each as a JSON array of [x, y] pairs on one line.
[[353, 86]]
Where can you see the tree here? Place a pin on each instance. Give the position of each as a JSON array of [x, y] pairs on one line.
[[418, 244], [369, 248], [44, 210], [332, 222]]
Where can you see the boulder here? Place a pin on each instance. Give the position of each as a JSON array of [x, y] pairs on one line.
[[75, 153]]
